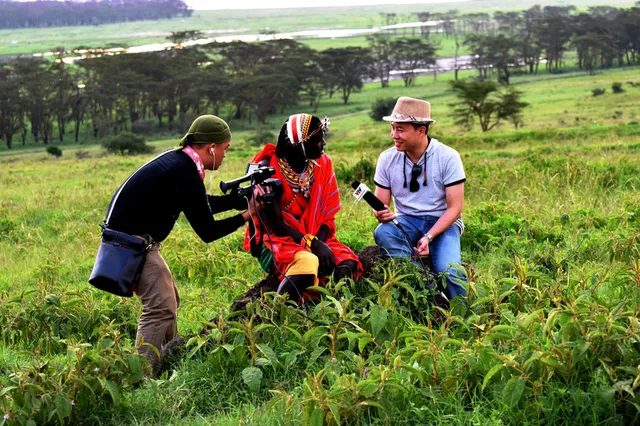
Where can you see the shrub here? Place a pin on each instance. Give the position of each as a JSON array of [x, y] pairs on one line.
[[598, 91], [143, 127], [6, 227], [617, 87], [126, 143], [262, 137], [54, 150], [363, 170], [82, 154], [381, 108]]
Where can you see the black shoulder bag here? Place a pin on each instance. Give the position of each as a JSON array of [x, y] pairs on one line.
[[121, 256]]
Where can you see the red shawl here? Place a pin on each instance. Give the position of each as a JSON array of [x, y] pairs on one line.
[[305, 215]]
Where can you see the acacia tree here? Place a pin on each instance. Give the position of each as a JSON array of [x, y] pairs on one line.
[[449, 22], [554, 32], [311, 87], [382, 59], [63, 88], [527, 44], [508, 22], [501, 56], [36, 87], [215, 86], [424, 17], [480, 100], [346, 68], [78, 110], [479, 50], [411, 54], [10, 106], [588, 47], [511, 107]]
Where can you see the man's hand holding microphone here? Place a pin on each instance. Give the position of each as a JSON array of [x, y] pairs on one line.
[[384, 214], [380, 210]]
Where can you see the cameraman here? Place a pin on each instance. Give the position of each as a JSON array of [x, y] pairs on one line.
[[149, 205]]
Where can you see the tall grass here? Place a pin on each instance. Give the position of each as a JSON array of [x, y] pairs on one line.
[[549, 334]]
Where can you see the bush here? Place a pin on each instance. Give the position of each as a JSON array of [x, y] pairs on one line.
[[262, 137], [381, 108], [617, 87], [363, 170], [54, 150], [598, 91], [143, 127], [126, 143]]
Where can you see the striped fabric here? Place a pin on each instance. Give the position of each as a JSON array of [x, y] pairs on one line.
[[305, 215], [298, 128]]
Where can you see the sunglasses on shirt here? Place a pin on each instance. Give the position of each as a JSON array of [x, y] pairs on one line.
[[416, 170]]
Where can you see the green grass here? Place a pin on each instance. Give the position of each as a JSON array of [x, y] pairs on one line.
[[553, 226], [556, 99], [447, 46]]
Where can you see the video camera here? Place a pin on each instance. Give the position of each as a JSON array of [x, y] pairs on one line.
[[257, 176]]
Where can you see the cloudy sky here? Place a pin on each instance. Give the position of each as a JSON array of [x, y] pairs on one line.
[[263, 4]]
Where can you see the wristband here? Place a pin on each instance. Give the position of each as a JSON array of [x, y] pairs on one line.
[[429, 237], [307, 240]]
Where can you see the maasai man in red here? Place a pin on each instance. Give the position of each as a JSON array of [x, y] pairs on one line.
[[300, 234]]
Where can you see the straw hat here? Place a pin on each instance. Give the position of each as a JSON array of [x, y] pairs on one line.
[[410, 110]]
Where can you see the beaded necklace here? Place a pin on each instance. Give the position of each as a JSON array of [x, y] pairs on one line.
[[299, 182]]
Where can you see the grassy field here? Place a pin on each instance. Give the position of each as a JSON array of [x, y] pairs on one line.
[[26, 41], [551, 334], [447, 46]]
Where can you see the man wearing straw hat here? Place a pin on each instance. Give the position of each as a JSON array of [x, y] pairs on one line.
[[426, 180]]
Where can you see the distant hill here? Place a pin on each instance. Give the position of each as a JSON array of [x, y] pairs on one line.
[[38, 14]]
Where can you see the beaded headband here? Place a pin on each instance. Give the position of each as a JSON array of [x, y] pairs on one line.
[[298, 128]]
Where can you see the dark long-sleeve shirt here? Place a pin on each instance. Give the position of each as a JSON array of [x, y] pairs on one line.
[[152, 200]]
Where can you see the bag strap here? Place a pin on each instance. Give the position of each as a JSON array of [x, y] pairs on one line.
[[105, 224]]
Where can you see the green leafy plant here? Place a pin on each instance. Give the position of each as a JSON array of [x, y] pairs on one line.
[[382, 108], [54, 151], [363, 170], [262, 137], [126, 143]]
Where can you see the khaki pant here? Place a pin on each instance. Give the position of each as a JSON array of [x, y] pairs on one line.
[[160, 300]]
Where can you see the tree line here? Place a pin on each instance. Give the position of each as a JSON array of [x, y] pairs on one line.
[[244, 81], [43, 101], [602, 37], [47, 13]]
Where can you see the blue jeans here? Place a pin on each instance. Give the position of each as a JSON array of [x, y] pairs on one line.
[[444, 249]]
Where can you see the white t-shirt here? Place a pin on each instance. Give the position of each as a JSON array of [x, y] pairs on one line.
[[444, 168]]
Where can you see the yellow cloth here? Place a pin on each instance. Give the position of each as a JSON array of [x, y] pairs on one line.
[[304, 263]]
